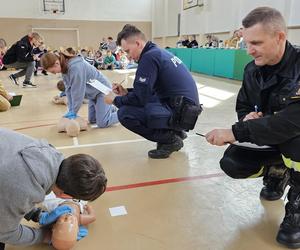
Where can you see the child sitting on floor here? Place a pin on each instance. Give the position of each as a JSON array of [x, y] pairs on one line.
[[61, 98]]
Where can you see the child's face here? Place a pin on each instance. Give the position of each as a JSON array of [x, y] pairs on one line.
[[3, 51], [56, 68]]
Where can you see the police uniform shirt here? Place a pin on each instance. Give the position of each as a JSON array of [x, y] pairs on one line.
[[159, 74]]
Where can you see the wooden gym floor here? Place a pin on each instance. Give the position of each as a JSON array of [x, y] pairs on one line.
[[182, 203]]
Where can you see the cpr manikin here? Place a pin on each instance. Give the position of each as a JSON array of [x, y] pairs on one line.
[[72, 126], [65, 230]]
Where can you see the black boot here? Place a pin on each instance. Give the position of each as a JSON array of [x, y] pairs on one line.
[[164, 150], [182, 134], [276, 178], [289, 231]]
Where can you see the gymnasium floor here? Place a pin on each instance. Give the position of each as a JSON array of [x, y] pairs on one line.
[[181, 203]]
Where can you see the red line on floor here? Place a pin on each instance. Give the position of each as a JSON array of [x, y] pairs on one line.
[[14, 122], [164, 181], [36, 126]]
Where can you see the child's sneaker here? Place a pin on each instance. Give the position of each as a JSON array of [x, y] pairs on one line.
[[28, 84], [13, 79]]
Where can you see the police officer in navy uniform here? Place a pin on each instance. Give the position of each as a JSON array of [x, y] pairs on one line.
[[163, 102], [268, 108]]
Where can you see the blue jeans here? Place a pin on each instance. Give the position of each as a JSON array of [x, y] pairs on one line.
[[102, 114]]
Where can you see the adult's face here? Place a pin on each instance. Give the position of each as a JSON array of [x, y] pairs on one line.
[[264, 46], [133, 47], [36, 42], [56, 68]]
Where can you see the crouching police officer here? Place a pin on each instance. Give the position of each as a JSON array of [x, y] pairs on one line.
[[164, 100], [268, 107]]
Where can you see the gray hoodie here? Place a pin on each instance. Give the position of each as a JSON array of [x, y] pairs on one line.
[[28, 169], [79, 73]]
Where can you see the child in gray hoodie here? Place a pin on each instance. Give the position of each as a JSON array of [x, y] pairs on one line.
[[76, 74], [30, 169]]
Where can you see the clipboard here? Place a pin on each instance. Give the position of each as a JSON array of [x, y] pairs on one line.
[[100, 86], [254, 147]]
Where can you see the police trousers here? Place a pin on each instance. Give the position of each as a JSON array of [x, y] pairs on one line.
[[241, 162], [150, 122]]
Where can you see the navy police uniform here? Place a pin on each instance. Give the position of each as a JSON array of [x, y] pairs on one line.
[[149, 107]]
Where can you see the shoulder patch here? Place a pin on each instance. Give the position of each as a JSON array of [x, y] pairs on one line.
[[142, 79]]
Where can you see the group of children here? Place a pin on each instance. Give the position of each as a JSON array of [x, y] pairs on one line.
[[107, 59]]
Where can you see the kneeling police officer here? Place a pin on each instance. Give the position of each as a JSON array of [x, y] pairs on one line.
[[163, 102]]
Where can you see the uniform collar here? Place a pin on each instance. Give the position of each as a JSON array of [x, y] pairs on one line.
[[284, 69], [147, 47]]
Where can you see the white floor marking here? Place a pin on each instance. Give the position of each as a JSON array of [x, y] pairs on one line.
[[107, 143], [75, 141], [100, 144]]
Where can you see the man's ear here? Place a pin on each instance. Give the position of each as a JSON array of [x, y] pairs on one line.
[[281, 36], [138, 43]]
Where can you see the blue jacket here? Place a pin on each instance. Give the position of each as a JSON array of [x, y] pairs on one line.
[[159, 74], [75, 80]]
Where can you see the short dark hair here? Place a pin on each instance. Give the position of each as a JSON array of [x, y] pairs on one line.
[[129, 31], [82, 177], [268, 17]]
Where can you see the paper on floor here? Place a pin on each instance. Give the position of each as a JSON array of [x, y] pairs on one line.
[[117, 211]]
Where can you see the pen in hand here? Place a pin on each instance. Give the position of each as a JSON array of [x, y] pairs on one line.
[[205, 137], [122, 82], [119, 89], [256, 108], [200, 134]]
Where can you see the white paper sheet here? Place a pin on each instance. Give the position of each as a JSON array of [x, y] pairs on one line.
[[100, 86], [251, 145], [117, 211]]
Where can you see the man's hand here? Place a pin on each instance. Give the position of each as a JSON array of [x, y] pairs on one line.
[[220, 137], [253, 115], [118, 89], [109, 99]]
